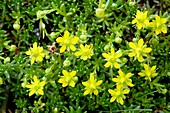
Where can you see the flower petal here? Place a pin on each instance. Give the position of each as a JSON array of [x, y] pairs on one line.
[[78, 53], [87, 92], [116, 65], [105, 55], [131, 54], [63, 48], [147, 50], [40, 91], [140, 43], [42, 83], [59, 40], [28, 52], [66, 34], [140, 58], [120, 100], [164, 29], [74, 40], [112, 99], [112, 92], [91, 78], [99, 82], [132, 45], [134, 21], [96, 92], [115, 79], [72, 83], [32, 60], [73, 73], [64, 72], [35, 79], [35, 45], [72, 47], [32, 92], [107, 64]]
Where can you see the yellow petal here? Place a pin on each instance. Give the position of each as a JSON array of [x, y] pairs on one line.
[[147, 50], [66, 34], [112, 51], [78, 53], [138, 13], [115, 79], [163, 20], [30, 86], [150, 24], [39, 58], [72, 83], [164, 30], [35, 45], [141, 74], [116, 65], [105, 55], [132, 45], [28, 52], [140, 43], [72, 47], [120, 100], [59, 40], [128, 75], [134, 21], [40, 49], [112, 99], [35, 79], [74, 40], [140, 58], [145, 14], [87, 92], [157, 18], [121, 73], [91, 78], [99, 82], [61, 80], [107, 64], [73, 73], [131, 54], [42, 83], [96, 92], [139, 25], [32, 60], [158, 31], [32, 92], [85, 83], [146, 67], [118, 55], [40, 91], [63, 48], [84, 57], [129, 84], [112, 92], [153, 68], [64, 72], [64, 84]]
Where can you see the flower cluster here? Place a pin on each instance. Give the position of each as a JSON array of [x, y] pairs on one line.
[[36, 53], [36, 86], [157, 25]]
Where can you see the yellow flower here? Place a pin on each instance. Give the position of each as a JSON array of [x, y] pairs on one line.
[[36, 87], [139, 50], [141, 19], [149, 72], [112, 58], [36, 53], [68, 78], [118, 94], [123, 79], [91, 86], [67, 42], [158, 25], [85, 51]]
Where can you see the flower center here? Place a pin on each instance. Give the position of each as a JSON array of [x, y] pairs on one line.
[[35, 52]]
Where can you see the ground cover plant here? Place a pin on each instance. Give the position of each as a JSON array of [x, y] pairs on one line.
[[76, 56]]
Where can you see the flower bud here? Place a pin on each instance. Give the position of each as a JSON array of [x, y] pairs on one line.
[[107, 47], [100, 12], [16, 26], [56, 110], [124, 60], [118, 40], [43, 25], [1, 81], [7, 59], [53, 35], [47, 56], [48, 70], [66, 63], [132, 3], [75, 78], [12, 48], [83, 38]]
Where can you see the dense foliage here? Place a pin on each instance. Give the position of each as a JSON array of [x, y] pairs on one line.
[[76, 56]]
